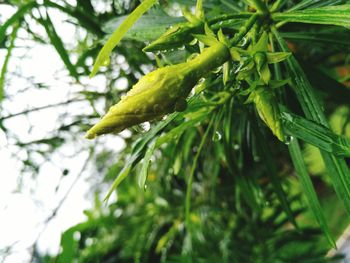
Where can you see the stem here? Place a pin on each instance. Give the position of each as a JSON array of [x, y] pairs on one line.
[[228, 17], [244, 29], [260, 6], [7, 59], [278, 5], [190, 178], [41, 108]]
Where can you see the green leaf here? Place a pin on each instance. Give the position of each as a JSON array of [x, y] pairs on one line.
[[148, 28], [7, 59], [138, 152], [144, 169], [275, 57], [58, 44], [191, 175], [176, 132], [259, 5], [315, 134], [121, 176], [336, 38], [205, 39], [308, 188], [261, 45], [337, 168], [15, 18], [87, 20], [103, 56], [314, 3], [275, 180], [330, 15]]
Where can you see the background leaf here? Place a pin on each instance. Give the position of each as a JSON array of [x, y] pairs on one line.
[[330, 15]]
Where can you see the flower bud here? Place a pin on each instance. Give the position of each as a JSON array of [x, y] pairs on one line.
[[176, 36], [160, 92], [267, 107]]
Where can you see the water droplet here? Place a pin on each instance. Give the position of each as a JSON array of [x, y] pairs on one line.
[[182, 48], [193, 42], [106, 62], [217, 70], [243, 42], [236, 147], [239, 68], [217, 136], [288, 139], [256, 158], [145, 187], [76, 235], [201, 80], [146, 126], [192, 56], [192, 93]]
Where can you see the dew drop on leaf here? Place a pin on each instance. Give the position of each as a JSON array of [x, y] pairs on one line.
[[288, 139], [217, 70], [243, 42], [106, 62], [193, 42], [217, 136], [145, 126]]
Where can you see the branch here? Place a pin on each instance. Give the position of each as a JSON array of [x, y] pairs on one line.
[[59, 205], [40, 108]]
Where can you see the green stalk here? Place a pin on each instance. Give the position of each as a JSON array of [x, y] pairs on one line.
[[228, 17], [7, 59], [259, 5], [190, 178], [244, 29]]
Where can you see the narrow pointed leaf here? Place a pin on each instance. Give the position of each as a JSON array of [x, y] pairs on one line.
[[15, 18], [309, 190], [337, 168], [330, 15], [191, 176], [336, 38], [148, 28], [58, 44], [139, 151], [103, 56], [315, 134], [144, 169], [7, 59], [275, 57], [275, 181], [314, 3]]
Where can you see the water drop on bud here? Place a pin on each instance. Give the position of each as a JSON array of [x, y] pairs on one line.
[[288, 139], [217, 136]]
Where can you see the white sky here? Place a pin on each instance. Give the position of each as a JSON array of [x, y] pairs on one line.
[[22, 213]]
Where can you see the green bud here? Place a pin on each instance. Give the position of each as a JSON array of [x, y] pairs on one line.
[[260, 59], [267, 107], [160, 92], [176, 36]]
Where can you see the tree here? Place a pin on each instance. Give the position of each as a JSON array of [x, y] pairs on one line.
[[214, 171]]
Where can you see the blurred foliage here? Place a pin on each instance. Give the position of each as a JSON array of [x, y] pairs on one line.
[[211, 183]]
